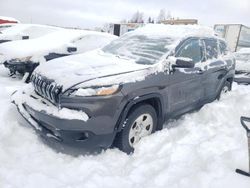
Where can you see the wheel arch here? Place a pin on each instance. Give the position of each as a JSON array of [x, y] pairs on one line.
[[154, 100]]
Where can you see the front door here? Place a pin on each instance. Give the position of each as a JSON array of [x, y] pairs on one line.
[[185, 89]]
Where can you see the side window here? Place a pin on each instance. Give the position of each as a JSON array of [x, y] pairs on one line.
[[211, 49], [223, 48], [191, 49]]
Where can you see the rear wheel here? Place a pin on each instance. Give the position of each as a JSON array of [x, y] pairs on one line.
[[225, 89], [139, 123]]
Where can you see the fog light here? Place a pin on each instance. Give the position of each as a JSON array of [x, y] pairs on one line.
[[84, 136]]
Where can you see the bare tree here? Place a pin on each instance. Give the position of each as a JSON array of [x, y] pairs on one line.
[[169, 16], [150, 20], [123, 21], [137, 17], [161, 16]]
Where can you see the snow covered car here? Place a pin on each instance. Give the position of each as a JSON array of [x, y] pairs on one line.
[[126, 90], [25, 31], [6, 26], [25, 56], [242, 69]]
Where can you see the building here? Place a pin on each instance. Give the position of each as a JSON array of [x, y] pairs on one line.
[[180, 22]]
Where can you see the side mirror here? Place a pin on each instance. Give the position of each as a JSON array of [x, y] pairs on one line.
[[25, 37], [183, 63], [71, 49]]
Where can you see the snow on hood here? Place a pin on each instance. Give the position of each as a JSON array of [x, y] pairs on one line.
[[56, 42], [70, 70]]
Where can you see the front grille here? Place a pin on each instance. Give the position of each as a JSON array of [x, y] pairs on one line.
[[46, 88]]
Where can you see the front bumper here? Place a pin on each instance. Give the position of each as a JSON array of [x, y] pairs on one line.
[[89, 135], [20, 67]]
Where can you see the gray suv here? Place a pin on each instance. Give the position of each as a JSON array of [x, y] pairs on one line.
[[119, 94]]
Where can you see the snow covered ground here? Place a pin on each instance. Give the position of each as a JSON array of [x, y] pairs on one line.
[[200, 150]]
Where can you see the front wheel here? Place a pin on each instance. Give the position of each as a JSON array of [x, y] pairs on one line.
[[139, 123]]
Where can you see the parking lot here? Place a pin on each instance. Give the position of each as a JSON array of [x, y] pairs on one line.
[[201, 149]]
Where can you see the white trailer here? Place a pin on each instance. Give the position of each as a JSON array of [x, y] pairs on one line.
[[236, 35]]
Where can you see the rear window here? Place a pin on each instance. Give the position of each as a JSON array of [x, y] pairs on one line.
[[211, 48]]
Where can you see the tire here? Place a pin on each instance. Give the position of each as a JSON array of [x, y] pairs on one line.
[[141, 122], [225, 88]]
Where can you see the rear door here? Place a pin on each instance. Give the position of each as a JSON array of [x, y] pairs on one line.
[[216, 68], [186, 91]]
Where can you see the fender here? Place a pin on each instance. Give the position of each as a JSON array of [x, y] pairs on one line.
[[140, 99]]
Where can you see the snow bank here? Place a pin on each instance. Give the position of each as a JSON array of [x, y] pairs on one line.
[[200, 150]]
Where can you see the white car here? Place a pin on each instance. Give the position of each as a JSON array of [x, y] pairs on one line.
[[25, 31], [6, 26], [242, 66], [24, 56]]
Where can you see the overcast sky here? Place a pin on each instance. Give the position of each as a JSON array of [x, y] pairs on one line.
[[94, 13]]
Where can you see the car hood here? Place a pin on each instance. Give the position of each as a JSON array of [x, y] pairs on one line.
[[71, 70]]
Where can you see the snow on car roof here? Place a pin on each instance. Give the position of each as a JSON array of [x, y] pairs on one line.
[[9, 19], [176, 31], [19, 28]]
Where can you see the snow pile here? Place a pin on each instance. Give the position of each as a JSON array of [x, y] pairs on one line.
[[56, 42], [200, 150]]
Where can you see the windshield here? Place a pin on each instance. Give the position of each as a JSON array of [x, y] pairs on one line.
[[143, 49]]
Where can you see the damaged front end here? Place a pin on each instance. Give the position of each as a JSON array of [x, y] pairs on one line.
[[20, 66]]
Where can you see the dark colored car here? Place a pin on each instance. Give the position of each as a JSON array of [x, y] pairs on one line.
[[118, 95]]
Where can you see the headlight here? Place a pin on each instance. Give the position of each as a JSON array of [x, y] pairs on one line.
[[24, 59], [94, 91]]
